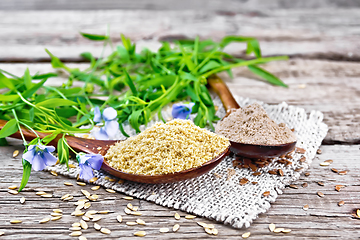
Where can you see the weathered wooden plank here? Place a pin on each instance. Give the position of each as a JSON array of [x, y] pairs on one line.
[[306, 32], [327, 86], [324, 219]]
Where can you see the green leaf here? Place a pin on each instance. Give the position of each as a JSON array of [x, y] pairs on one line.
[[26, 174], [47, 139], [267, 76], [63, 151], [56, 102], [45, 75], [3, 142], [253, 47], [129, 82], [134, 120], [209, 66], [9, 128], [30, 91], [27, 79], [56, 62], [31, 114], [94, 37], [5, 82], [9, 98]]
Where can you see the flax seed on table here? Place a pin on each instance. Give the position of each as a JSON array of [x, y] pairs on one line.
[[166, 148]]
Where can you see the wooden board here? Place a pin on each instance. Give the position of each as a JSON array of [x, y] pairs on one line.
[[324, 219]]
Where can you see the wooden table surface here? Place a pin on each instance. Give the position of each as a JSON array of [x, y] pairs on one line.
[[323, 74]]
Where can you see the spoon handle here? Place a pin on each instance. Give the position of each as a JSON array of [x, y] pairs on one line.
[[223, 92]]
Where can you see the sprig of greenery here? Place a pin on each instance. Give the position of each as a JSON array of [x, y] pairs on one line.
[[136, 84]]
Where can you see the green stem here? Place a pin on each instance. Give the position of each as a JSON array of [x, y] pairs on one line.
[[18, 125]]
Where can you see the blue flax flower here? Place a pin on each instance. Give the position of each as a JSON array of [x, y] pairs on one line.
[[111, 126], [182, 111], [39, 156], [88, 162]]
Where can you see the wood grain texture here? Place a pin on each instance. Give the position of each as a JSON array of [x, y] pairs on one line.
[[331, 87], [312, 33], [323, 220]]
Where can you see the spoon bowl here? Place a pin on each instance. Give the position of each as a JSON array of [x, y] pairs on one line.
[[244, 149], [93, 146]]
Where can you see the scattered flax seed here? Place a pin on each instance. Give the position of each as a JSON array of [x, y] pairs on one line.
[[92, 180], [202, 224], [12, 187], [129, 206], [329, 161], [92, 212], [97, 226], [343, 172], [77, 213], [82, 238], [96, 218], [112, 180], [127, 211], [215, 231], [300, 150], [177, 216], [303, 159], [324, 164], [83, 224], [44, 220], [85, 218], [75, 234], [230, 172], [271, 227], [267, 193], [306, 207], [2, 233], [75, 224], [13, 192], [319, 151], [140, 234], [176, 227], [47, 195], [140, 221], [358, 213], [56, 218], [136, 213], [131, 223], [164, 230], [57, 210], [338, 187], [68, 198], [81, 183], [246, 235], [334, 170], [208, 230], [298, 169], [106, 178], [304, 185], [95, 188], [15, 221], [341, 203], [68, 184], [256, 173], [320, 194], [22, 200], [54, 214], [121, 181], [244, 181], [72, 166], [286, 230], [87, 205], [15, 153], [103, 212], [217, 175], [128, 198], [75, 228], [105, 231], [119, 218], [54, 173], [254, 183], [62, 198], [307, 174], [293, 186], [272, 172], [85, 192], [278, 230], [281, 172], [321, 184], [190, 216]]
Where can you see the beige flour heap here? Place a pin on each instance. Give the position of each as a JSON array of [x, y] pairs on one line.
[[252, 125], [166, 148]]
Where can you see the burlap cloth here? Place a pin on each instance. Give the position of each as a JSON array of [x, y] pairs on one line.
[[226, 200]]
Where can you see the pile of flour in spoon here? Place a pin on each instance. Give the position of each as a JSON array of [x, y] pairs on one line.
[[252, 125]]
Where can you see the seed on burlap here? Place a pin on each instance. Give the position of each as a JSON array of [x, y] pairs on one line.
[[176, 227], [15, 153], [140, 233], [96, 218], [121, 181], [105, 231], [46, 195], [272, 172], [110, 190], [190, 216], [267, 193], [298, 169], [140, 221], [254, 183], [131, 223], [320, 194], [246, 235], [97, 226], [343, 172], [13, 192], [22, 200], [306, 207], [300, 150], [256, 173], [83, 224], [177, 216], [341, 203], [293, 186], [44, 220], [281, 172], [307, 174], [164, 230], [321, 184], [75, 234], [81, 183], [68, 184], [217, 175], [119, 218], [56, 218], [128, 198], [271, 227], [244, 181], [230, 172], [334, 170], [95, 188]]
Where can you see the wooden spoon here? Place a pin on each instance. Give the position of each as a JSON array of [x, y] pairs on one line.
[[101, 147], [243, 149]]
